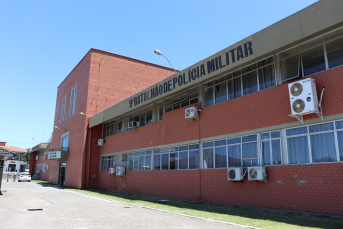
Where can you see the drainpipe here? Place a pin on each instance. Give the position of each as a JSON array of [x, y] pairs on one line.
[[84, 177]]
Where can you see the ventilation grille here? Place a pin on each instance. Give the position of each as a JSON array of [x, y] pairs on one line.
[[253, 173], [296, 89], [232, 174], [298, 106], [188, 113]]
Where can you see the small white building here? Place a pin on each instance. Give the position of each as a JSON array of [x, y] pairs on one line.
[[14, 163]]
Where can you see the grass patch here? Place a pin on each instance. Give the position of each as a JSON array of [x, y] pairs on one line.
[[233, 214], [42, 182]]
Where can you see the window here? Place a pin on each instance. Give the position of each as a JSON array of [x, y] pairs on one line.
[[315, 143], [72, 101], [181, 100], [256, 77], [140, 161], [271, 148], [106, 163], [184, 157], [317, 55], [63, 108]]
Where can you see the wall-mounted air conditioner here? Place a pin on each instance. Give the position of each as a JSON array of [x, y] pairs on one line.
[[112, 170], [37, 158], [133, 124], [235, 174], [303, 97], [101, 142], [120, 170], [257, 173], [191, 112], [47, 166]]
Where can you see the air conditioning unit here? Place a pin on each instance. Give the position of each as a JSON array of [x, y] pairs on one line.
[[37, 158], [191, 112], [303, 97], [235, 174], [257, 173], [133, 124], [44, 157], [101, 142], [47, 166], [112, 170], [120, 170]]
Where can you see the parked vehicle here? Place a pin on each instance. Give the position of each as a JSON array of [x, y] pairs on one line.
[[24, 177]]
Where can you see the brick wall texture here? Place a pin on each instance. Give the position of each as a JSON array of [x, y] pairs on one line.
[[315, 188]]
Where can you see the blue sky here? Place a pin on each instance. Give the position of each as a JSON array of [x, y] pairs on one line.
[[42, 41]]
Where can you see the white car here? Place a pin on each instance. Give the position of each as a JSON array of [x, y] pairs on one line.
[[24, 177]]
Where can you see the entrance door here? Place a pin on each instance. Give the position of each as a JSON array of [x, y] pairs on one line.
[[62, 175], [12, 167]]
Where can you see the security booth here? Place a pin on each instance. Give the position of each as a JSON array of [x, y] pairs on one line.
[[61, 154], [4, 154]]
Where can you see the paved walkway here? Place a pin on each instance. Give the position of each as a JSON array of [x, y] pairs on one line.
[[67, 209]]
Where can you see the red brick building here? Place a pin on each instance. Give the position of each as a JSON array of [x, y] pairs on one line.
[[245, 96], [244, 99], [99, 80]]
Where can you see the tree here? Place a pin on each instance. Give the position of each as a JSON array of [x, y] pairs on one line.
[[27, 156]]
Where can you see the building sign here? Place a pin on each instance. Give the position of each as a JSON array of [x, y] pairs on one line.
[[56, 155], [213, 65]]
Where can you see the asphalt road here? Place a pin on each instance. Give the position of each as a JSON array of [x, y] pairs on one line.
[[67, 209]]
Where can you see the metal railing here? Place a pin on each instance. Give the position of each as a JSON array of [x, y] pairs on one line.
[[62, 149]]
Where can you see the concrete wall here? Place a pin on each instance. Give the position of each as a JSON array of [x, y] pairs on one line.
[[315, 188]]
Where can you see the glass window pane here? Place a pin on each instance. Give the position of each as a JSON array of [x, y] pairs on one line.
[[168, 109], [220, 157], [184, 103], [141, 153], [157, 162], [323, 148], [234, 155], [147, 163], [235, 88], [266, 153], [174, 161], [176, 106], [339, 125], [208, 97], [148, 152], [276, 152], [334, 52], [148, 118], [196, 146], [120, 126], [135, 163], [194, 159], [265, 136], [249, 138], [136, 154], [249, 83], [220, 143], [207, 144], [142, 119], [297, 131], [290, 68], [165, 162], [298, 152], [247, 163], [182, 148], [220, 93], [157, 151], [130, 166], [321, 127], [174, 149], [340, 144], [208, 158], [160, 112], [141, 163], [254, 162], [166, 150], [130, 154], [234, 140], [266, 77], [275, 134], [183, 160], [313, 61], [249, 150]]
